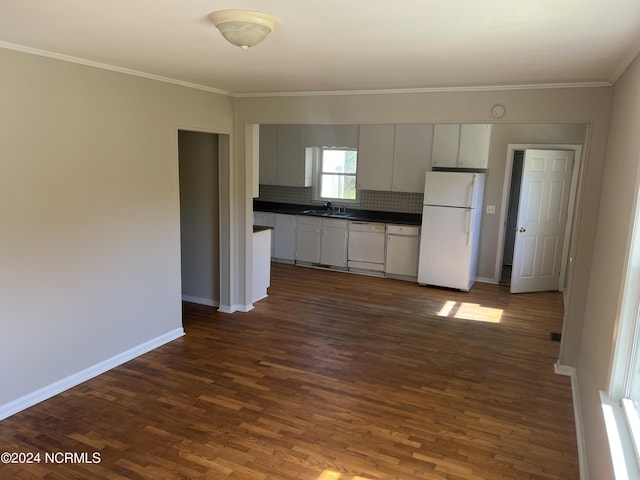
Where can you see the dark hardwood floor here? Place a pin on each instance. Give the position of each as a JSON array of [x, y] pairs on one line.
[[333, 376]]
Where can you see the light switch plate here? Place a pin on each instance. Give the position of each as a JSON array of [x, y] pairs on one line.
[[491, 209]]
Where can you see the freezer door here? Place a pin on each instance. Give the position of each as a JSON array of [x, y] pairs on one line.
[[454, 189], [446, 247]]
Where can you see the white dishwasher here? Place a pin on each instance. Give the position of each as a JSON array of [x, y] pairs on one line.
[[366, 247], [403, 250]]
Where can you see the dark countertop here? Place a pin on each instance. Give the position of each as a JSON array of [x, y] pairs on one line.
[[260, 228], [354, 214]]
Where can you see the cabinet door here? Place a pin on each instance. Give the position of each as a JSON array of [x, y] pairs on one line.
[[412, 156], [261, 264], [293, 166], [268, 150], [285, 237], [474, 146], [446, 143], [332, 136], [375, 157], [334, 241], [264, 219], [402, 255], [308, 243]]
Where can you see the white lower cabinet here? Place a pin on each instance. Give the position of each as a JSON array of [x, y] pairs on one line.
[[334, 241], [321, 241], [284, 237], [325, 241], [403, 249], [308, 239]]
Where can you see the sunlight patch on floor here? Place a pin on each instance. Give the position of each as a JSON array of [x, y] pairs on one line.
[[470, 311], [332, 475]]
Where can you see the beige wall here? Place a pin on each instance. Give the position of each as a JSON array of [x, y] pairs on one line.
[[615, 220], [89, 212]]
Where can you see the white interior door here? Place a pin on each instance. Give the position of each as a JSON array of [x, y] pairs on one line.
[[542, 218]]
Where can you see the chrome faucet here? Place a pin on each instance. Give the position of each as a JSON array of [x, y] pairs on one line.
[[327, 206]]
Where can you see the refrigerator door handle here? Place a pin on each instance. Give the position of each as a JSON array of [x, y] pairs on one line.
[[469, 219]]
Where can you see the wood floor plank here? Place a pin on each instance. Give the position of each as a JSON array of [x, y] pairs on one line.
[[333, 376]]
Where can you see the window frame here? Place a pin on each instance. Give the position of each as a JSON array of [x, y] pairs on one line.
[[621, 413], [317, 177]]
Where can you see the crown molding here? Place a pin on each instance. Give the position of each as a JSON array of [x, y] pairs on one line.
[[159, 78], [106, 66], [489, 88]]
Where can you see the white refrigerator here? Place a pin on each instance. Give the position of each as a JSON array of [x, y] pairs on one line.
[[451, 217]]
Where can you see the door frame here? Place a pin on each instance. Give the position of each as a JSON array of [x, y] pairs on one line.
[[225, 233], [506, 190]]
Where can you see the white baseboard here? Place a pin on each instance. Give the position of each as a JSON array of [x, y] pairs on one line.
[[487, 280], [60, 386], [577, 413], [200, 300], [564, 370], [235, 308]]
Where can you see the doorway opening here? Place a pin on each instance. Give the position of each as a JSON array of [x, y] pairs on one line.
[[198, 165], [519, 252], [512, 217]]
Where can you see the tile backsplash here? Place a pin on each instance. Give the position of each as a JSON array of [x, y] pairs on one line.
[[297, 195], [402, 202]]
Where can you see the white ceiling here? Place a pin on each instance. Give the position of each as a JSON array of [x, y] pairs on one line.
[[340, 45]]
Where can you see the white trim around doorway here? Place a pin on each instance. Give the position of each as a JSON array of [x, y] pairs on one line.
[[577, 159]]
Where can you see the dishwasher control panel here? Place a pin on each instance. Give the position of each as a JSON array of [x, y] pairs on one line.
[[373, 227]]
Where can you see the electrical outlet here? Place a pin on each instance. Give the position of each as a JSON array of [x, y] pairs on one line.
[[491, 209]]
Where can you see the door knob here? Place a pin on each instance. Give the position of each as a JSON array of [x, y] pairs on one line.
[[522, 229]]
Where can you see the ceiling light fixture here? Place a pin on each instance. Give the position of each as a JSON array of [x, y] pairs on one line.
[[243, 28]]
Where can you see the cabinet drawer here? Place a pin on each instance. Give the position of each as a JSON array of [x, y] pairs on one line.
[[308, 220], [265, 219], [335, 223], [403, 230]]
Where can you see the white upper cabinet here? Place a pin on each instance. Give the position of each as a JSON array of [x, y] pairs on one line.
[[474, 145], [390, 157], [411, 156], [332, 136], [293, 167], [284, 158], [375, 157], [268, 154], [461, 146], [394, 157], [446, 144]]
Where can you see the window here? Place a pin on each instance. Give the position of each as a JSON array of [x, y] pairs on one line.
[[336, 175], [626, 373], [621, 403]]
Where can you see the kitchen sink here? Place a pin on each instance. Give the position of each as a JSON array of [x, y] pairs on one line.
[[327, 213]]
